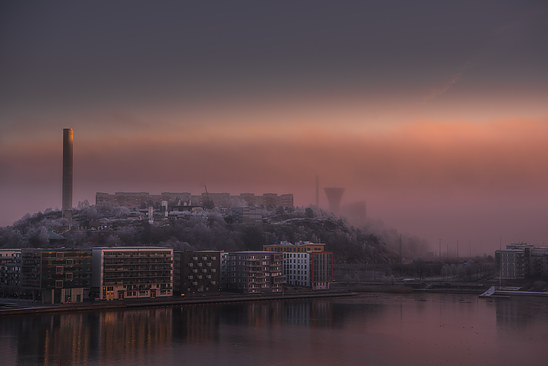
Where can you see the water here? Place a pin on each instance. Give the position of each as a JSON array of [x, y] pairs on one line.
[[369, 329]]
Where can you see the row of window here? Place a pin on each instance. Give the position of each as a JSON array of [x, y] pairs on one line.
[[213, 258]]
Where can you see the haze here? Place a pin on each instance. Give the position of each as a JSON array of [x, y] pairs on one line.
[[435, 114]]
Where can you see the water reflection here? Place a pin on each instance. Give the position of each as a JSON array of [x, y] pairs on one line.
[[129, 336], [516, 313], [367, 329], [195, 323]]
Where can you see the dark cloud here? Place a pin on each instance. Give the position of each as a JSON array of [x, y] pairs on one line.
[[97, 53]]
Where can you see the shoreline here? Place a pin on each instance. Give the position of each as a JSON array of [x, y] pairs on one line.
[[33, 308], [194, 300]]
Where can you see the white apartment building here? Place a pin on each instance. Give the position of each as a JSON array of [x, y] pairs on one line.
[[296, 268]]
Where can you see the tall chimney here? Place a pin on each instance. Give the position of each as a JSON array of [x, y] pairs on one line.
[[317, 191], [67, 173]]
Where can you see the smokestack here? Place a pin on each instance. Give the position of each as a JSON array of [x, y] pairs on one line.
[[317, 191], [334, 197], [67, 173]]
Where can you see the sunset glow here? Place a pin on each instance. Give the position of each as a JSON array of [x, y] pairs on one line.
[[438, 122]]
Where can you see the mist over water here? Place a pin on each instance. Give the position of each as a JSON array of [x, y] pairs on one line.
[[369, 329]]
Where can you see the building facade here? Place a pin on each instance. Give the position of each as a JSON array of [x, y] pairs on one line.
[[299, 247], [197, 272], [538, 263], [296, 269], [132, 272], [321, 270], [512, 264], [10, 272], [305, 263], [255, 272], [224, 270], [521, 260], [56, 276], [136, 200]]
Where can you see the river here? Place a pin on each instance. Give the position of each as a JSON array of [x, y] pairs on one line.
[[368, 329]]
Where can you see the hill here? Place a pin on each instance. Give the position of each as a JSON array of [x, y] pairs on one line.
[[118, 226]]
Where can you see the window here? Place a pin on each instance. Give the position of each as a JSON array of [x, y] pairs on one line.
[[59, 269], [59, 284], [68, 276]]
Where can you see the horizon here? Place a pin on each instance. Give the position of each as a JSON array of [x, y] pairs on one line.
[[434, 115]]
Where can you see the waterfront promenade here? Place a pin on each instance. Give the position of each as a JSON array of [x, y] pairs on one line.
[[12, 307]]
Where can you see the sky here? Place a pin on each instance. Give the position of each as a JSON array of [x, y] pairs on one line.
[[433, 112]]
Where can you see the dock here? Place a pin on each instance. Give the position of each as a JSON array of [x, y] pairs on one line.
[[495, 291]]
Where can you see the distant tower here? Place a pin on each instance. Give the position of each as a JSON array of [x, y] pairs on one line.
[[317, 191], [334, 197], [67, 173]]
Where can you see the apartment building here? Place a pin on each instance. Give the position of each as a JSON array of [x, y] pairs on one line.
[[255, 272], [298, 247], [296, 269], [538, 264], [305, 263], [321, 270], [132, 272], [10, 272], [56, 276], [197, 272]]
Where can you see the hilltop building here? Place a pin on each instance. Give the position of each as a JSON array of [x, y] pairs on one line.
[[137, 200], [246, 214]]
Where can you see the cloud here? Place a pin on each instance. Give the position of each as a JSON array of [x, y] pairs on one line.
[[426, 157], [436, 92]]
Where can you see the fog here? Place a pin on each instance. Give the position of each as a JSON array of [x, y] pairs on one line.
[[435, 116], [477, 183]]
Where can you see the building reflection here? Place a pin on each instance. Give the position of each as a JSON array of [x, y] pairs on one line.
[[518, 313], [79, 337], [196, 323], [130, 336], [47, 340], [314, 313]]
